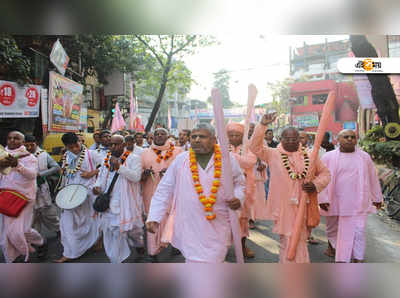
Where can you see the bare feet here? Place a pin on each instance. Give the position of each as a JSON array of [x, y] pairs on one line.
[[311, 240], [248, 253], [330, 252], [252, 225], [62, 260], [358, 261]]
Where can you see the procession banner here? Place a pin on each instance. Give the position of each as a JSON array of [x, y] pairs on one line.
[[19, 102], [65, 102]]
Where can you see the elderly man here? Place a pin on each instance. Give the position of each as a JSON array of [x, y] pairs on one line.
[[155, 161], [247, 161], [184, 137], [289, 164], [123, 220], [45, 212], [79, 228], [349, 198], [17, 236], [193, 186]]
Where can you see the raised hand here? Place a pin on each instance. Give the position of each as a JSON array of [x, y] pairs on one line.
[[268, 118]]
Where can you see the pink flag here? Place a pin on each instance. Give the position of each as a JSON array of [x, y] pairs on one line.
[[132, 110], [118, 121]]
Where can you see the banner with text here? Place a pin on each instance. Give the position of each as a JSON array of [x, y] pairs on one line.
[[19, 101]]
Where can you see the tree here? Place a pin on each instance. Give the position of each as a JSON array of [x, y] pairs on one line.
[[280, 92], [14, 65], [166, 49], [221, 81]]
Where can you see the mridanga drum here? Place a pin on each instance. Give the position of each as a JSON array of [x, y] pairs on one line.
[[71, 196]]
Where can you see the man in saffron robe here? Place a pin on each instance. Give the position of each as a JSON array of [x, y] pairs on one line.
[[155, 161], [198, 238], [247, 161], [288, 163], [79, 227], [123, 221], [16, 235], [349, 198]]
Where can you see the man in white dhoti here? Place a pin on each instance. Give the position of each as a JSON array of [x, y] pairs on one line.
[[45, 212], [105, 138], [79, 227], [201, 229], [352, 194], [122, 224]]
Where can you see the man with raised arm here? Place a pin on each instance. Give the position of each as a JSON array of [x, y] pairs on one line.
[[289, 164]]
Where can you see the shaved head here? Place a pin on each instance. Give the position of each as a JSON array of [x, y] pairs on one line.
[[117, 145], [344, 131], [15, 139], [348, 140], [18, 133]]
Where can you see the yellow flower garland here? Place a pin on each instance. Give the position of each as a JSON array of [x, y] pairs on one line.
[[210, 201]]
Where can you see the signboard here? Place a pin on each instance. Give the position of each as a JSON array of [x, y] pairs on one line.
[[19, 102], [65, 102], [306, 120], [59, 57]]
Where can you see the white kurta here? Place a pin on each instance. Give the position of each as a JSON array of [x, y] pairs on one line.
[[122, 223], [79, 227], [196, 237]]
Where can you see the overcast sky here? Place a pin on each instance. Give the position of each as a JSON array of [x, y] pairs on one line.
[[256, 59]]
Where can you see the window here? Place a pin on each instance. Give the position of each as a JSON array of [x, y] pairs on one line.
[[299, 100], [319, 99]]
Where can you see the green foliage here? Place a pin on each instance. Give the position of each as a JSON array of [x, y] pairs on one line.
[[106, 53], [221, 81], [280, 92], [168, 50], [14, 65], [381, 151]]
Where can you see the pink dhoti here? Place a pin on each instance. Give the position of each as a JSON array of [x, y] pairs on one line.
[[301, 252], [347, 235], [18, 235]]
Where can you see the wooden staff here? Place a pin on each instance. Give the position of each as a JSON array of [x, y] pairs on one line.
[[251, 98], [313, 211], [227, 178]]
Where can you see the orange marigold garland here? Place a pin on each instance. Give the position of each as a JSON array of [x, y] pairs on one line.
[[167, 155], [123, 158], [210, 201]]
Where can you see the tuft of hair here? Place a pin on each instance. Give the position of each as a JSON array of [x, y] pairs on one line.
[[186, 131], [105, 131], [30, 139], [205, 126], [69, 138], [129, 138]]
